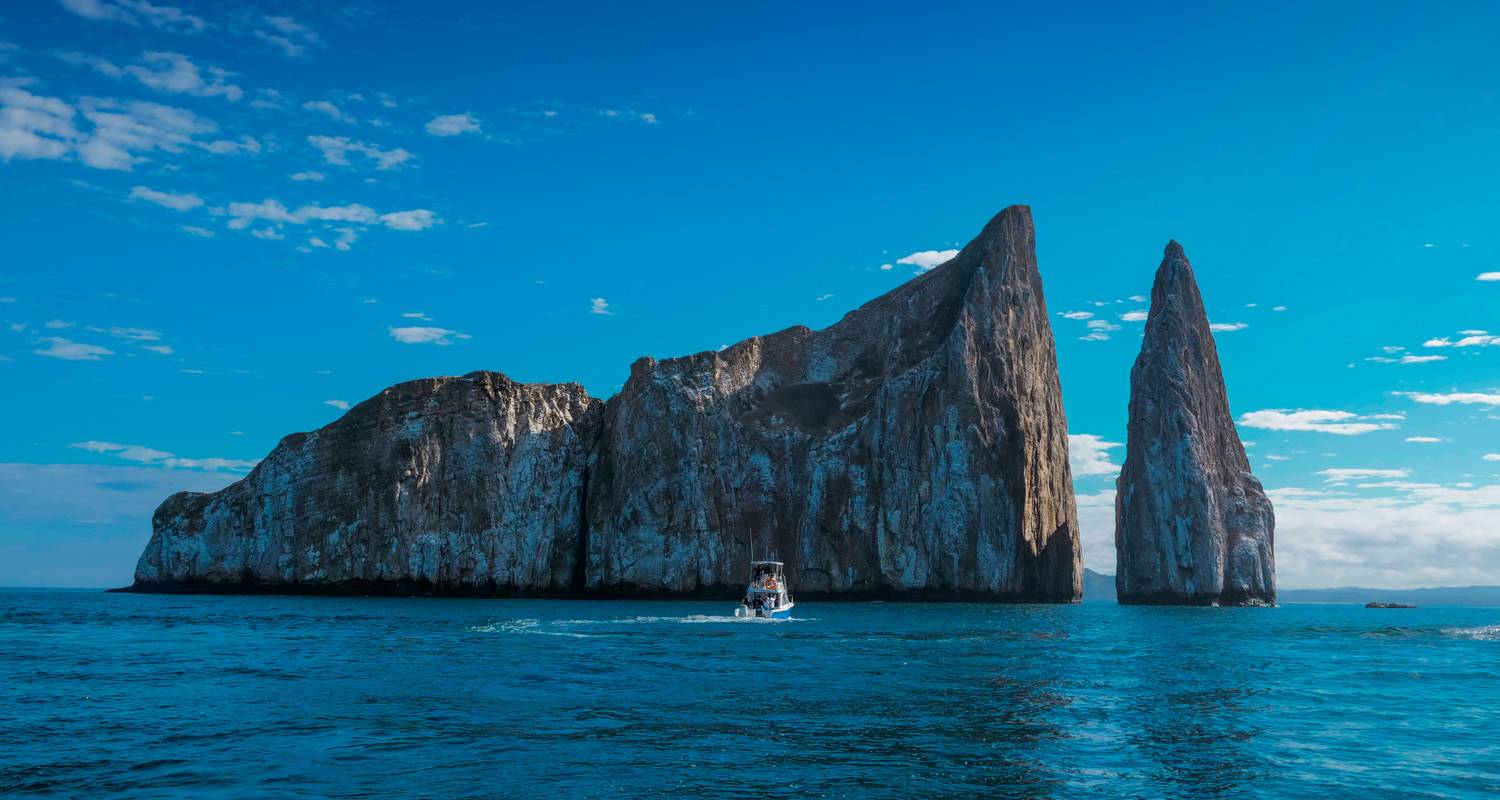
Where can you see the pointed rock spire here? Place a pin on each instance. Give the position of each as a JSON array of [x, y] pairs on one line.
[[1192, 525]]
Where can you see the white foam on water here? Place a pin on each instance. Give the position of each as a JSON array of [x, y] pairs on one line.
[[691, 619], [1485, 633]]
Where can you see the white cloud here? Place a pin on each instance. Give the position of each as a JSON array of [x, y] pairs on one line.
[[599, 305], [887, 267], [417, 315], [1278, 308], [1227, 326], [342, 405], [1488, 276], [1464, 398], [1076, 314], [1344, 475], [1391, 534], [1471, 338], [1406, 359], [1424, 439], [414, 220], [1096, 525], [925, 260], [122, 132], [288, 35], [421, 335], [179, 202], [242, 215], [138, 12], [1138, 315], [336, 150], [328, 109], [820, 298], [1102, 325], [1096, 336], [175, 73], [69, 350], [35, 127], [1138, 298], [1342, 423], [1492, 456], [269, 234], [308, 176], [148, 455], [197, 231], [453, 125], [1089, 455], [623, 114]]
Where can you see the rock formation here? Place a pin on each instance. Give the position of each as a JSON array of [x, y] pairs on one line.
[[472, 484], [1192, 525], [915, 448]]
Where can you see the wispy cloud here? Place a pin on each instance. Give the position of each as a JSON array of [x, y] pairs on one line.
[[1341, 423], [174, 73], [1344, 475], [1076, 314], [1488, 276], [150, 455], [1138, 315], [336, 150], [138, 12], [1224, 327], [1406, 359], [453, 125], [69, 350], [330, 110], [104, 133], [599, 305], [1424, 439], [1471, 338], [416, 219], [287, 35], [1452, 398], [178, 202], [425, 335], [342, 405], [310, 175]]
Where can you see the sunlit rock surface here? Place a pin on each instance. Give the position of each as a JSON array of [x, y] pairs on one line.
[[916, 448], [471, 483], [1192, 525]]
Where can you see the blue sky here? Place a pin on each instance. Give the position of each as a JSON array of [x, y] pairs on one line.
[[225, 221]]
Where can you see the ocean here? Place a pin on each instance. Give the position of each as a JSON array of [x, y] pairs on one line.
[[140, 696]]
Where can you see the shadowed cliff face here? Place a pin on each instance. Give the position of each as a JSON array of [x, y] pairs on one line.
[[915, 448], [1192, 525]]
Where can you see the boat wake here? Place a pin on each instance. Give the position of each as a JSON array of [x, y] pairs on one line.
[[568, 627]]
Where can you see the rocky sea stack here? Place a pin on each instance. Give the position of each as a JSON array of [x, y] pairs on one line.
[[916, 448], [1192, 525]]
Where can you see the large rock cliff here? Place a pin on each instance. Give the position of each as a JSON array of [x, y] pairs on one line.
[[474, 484], [1192, 525], [916, 448]]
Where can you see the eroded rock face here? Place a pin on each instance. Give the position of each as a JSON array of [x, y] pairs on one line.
[[916, 448], [1192, 525], [457, 484]]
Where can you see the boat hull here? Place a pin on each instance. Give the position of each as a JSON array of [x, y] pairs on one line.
[[765, 613]]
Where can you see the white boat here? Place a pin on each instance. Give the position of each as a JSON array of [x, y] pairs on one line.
[[767, 597]]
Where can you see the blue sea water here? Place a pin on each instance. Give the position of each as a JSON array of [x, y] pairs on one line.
[[135, 696]]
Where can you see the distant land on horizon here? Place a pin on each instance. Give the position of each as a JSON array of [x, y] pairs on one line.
[[1098, 587]]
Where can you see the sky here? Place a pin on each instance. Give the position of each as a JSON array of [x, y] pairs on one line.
[[224, 222]]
